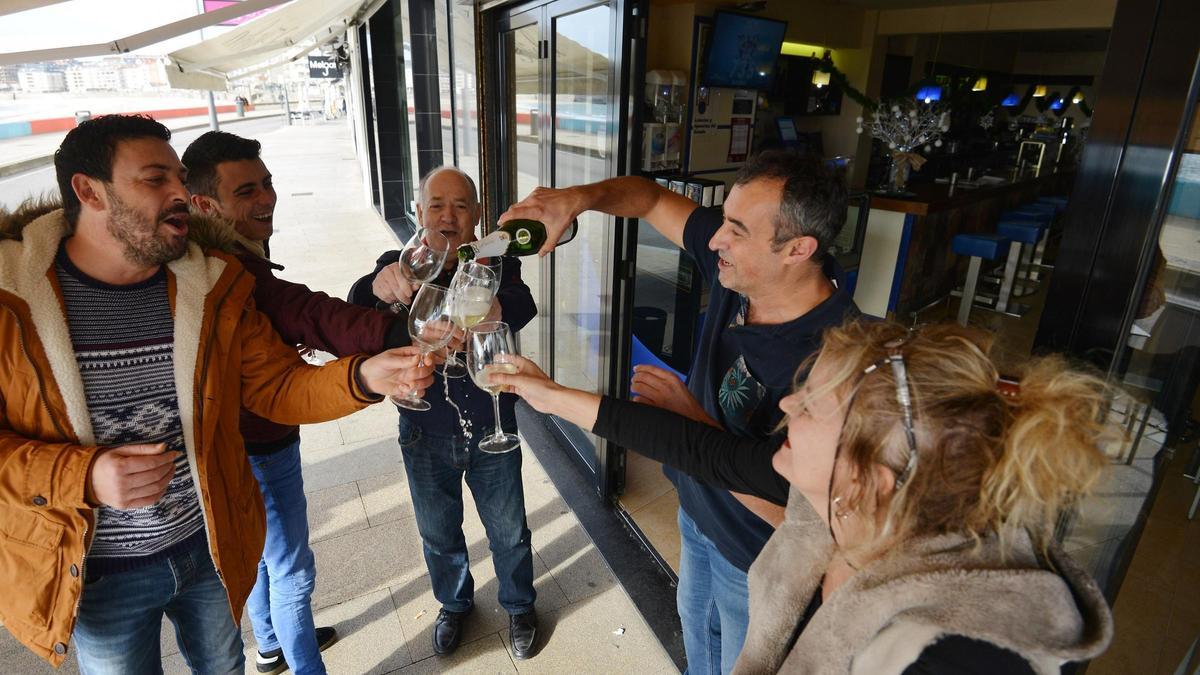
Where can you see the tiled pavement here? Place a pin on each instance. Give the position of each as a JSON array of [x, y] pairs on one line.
[[371, 578]]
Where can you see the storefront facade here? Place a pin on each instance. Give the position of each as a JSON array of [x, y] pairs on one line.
[[527, 94]]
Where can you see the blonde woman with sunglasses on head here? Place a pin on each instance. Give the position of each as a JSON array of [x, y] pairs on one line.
[[919, 528]]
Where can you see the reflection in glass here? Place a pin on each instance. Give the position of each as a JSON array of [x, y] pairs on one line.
[[583, 89], [520, 50], [1162, 350], [466, 112], [406, 105]]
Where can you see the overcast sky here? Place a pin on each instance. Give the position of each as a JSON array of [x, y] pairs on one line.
[[79, 22]]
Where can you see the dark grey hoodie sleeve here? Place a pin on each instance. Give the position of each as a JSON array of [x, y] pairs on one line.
[[710, 455]]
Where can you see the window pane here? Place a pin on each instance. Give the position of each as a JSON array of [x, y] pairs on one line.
[[466, 111], [446, 105], [582, 74], [404, 19], [519, 50]]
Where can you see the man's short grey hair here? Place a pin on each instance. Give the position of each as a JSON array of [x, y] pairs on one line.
[[422, 193], [812, 202]]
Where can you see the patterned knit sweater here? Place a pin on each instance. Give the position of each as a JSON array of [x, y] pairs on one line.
[[124, 342]]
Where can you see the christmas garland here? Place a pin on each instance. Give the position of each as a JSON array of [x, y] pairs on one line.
[[869, 104], [839, 78]]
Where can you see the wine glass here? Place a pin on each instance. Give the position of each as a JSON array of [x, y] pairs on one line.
[[430, 328], [488, 346], [495, 263], [423, 257], [471, 294]]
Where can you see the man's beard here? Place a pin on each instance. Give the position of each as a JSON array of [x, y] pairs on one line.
[[139, 237]]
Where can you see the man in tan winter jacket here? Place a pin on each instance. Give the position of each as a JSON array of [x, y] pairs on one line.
[[125, 356]]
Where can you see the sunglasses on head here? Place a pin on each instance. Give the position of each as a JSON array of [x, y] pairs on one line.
[[895, 359]]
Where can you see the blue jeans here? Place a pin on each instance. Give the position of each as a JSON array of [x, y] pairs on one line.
[[713, 602], [436, 467], [280, 605], [120, 618]]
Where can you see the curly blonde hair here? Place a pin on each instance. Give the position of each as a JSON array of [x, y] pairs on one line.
[[988, 463]]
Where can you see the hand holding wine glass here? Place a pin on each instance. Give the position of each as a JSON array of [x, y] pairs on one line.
[[490, 349], [430, 328], [399, 369], [421, 260], [471, 294], [529, 382], [545, 395]]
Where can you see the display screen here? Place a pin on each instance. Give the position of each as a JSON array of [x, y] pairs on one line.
[[787, 129], [742, 51]]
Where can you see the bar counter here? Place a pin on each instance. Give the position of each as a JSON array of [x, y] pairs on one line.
[[907, 261]]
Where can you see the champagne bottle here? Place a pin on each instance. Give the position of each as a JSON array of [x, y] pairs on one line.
[[518, 236]]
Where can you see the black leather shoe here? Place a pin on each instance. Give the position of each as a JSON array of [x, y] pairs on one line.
[[447, 630], [522, 633]]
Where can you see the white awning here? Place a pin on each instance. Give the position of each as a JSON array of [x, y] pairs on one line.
[[281, 36], [137, 40], [14, 6]]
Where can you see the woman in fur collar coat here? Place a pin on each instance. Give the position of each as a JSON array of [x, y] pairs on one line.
[[919, 529]]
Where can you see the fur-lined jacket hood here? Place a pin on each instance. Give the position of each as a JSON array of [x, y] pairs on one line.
[[1047, 610]]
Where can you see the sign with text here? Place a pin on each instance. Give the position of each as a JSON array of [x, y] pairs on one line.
[[323, 67]]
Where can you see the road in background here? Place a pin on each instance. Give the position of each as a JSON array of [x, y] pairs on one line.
[[14, 189]]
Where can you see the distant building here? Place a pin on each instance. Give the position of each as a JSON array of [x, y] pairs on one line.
[[93, 77], [143, 74], [42, 81]]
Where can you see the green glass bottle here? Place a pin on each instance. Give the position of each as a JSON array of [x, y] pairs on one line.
[[519, 236]]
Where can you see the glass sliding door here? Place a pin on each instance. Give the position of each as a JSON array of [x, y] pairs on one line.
[[1125, 295], [520, 155], [582, 68], [558, 125]]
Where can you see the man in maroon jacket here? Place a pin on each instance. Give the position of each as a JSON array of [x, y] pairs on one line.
[[227, 178]]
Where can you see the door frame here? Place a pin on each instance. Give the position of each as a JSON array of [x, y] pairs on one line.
[[606, 461]]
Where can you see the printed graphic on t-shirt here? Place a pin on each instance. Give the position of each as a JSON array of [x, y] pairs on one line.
[[739, 396]]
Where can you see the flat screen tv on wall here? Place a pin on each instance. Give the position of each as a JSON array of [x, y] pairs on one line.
[[742, 51]]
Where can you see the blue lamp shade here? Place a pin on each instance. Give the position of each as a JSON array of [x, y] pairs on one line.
[[929, 93], [1011, 100], [1057, 105]]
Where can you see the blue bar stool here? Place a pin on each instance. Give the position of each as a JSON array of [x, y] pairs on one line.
[[1044, 214], [979, 247], [1024, 236], [1052, 208], [1059, 203]]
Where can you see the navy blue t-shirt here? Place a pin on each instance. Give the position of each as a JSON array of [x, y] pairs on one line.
[[739, 375]]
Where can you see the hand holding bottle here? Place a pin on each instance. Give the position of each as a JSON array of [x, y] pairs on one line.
[[556, 208]]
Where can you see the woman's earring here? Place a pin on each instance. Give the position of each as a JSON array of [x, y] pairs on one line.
[[841, 513]]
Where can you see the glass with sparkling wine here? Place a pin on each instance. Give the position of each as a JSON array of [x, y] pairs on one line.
[[489, 345], [471, 293]]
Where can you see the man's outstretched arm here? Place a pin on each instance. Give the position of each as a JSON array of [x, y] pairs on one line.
[[625, 196]]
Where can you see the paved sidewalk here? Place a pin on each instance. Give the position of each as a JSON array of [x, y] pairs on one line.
[[25, 152], [371, 580]]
